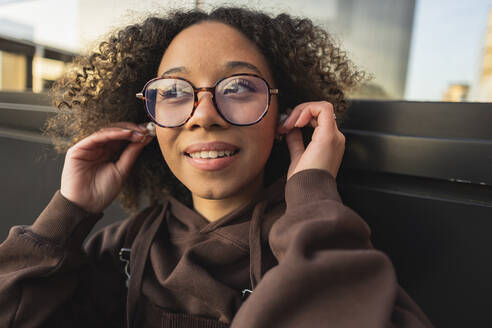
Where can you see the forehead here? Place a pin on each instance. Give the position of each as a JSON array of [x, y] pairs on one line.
[[204, 49]]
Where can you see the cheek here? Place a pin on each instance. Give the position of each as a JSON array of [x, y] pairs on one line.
[[167, 143], [263, 136], [269, 123]]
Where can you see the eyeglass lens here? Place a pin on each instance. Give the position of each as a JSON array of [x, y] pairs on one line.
[[240, 99]]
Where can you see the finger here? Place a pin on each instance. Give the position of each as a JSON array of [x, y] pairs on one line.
[[288, 123], [102, 154], [305, 117], [105, 135], [116, 146], [132, 126], [130, 155], [321, 111], [295, 145]]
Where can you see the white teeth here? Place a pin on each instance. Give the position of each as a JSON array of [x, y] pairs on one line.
[[211, 153]]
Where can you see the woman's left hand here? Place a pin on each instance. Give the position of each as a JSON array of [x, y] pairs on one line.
[[325, 151]]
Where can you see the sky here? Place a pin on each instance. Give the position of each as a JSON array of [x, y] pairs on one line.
[[55, 22], [447, 46], [447, 40]]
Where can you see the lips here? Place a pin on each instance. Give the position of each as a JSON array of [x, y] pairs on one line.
[[211, 156], [210, 146]]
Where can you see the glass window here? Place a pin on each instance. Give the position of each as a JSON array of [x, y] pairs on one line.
[[45, 72], [13, 71]]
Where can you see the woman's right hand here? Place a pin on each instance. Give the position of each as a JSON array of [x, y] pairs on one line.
[[90, 178]]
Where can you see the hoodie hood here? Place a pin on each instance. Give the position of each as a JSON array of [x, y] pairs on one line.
[[208, 265]]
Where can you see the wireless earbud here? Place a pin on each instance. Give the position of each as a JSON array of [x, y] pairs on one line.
[[281, 118]]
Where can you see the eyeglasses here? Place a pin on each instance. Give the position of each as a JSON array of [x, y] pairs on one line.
[[240, 99]]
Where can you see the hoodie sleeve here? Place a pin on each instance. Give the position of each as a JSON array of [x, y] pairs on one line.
[[328, 273], [48, 280]]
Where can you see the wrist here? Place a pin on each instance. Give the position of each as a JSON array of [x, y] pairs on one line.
[[64, 223], [311, 185], [88, 209]]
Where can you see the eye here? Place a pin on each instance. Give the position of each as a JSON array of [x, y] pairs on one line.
[[175, 91], [238, 86]]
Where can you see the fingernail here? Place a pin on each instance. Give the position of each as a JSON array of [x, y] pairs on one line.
[[140, 134], [142, 127]]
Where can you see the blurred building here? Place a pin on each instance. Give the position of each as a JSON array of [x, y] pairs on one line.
[[27, 66], [13, 66], [456, 92], [484, 92], [377, 35]]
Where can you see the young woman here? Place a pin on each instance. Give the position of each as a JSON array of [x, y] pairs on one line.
[[240, 231]]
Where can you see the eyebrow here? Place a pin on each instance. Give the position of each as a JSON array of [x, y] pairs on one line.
[[240, 64], [229, 65], [179, 69]]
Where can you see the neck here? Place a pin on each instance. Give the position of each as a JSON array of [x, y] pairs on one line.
[[214, 209]]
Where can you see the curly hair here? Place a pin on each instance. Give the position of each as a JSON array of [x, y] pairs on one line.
[[99, 90]]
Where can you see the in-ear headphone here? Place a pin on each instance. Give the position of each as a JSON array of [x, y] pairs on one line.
[[282, 117]]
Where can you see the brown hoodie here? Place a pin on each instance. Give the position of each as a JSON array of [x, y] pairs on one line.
[[306, 257]]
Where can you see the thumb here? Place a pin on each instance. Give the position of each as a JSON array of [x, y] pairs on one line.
[[130, 155], [295, 145]]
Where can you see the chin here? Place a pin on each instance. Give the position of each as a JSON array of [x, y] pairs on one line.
[[208, 187], [211, 190]]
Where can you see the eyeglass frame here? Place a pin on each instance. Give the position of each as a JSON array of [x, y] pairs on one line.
[[140, 95]]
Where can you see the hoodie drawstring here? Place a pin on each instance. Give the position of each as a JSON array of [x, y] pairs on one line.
[[255, 247]]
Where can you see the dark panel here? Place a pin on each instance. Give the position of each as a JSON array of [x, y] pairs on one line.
[[30, 175], [407, 185], [25, 111], [420, 175], [26, 119], [467, 160], [423, 119], [25, 98], [438, 244]]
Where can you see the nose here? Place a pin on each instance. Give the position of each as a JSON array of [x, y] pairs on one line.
[[205, 114]]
